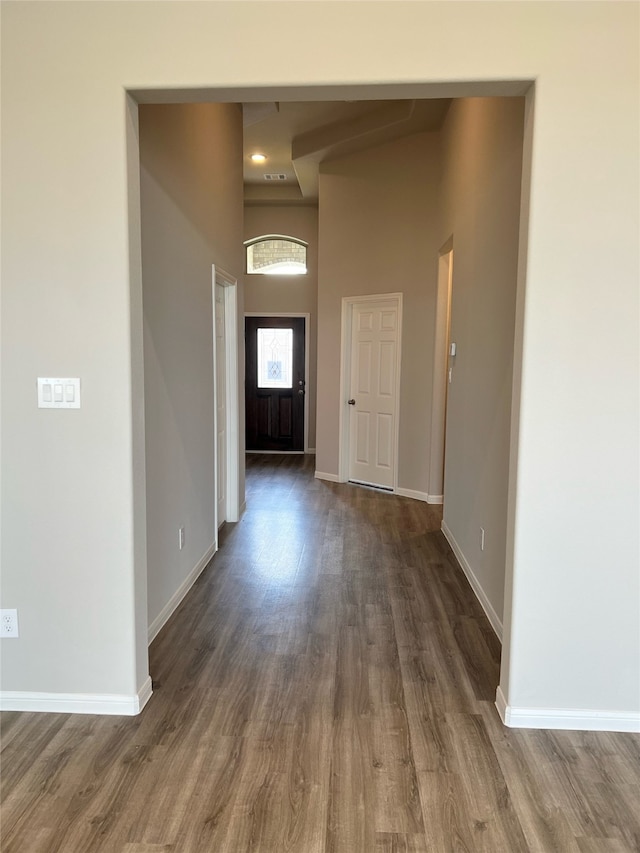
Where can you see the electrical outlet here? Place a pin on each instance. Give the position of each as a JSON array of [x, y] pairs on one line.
[[181, 538], [9, 623], [482, 538]]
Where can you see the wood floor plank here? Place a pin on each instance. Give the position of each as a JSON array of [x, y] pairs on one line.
[[396, 842], [543, 823], [445, 809], [327, 686], [491, 810], [601, 845]]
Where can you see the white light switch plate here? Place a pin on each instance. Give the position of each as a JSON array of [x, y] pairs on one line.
[[58, 393]]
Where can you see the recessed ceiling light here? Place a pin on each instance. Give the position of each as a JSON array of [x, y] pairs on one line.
[[258, 158]]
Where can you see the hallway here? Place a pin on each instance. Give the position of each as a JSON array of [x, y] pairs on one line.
[[326, 687]]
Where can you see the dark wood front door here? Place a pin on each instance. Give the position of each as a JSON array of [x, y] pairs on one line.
[[274, 383]]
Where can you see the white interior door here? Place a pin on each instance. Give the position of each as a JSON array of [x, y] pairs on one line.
[[373, 392], [221, 405]]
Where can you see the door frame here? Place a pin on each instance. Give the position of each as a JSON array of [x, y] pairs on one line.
[[232, 409], [307, 320], [441, 361], [348, 303]]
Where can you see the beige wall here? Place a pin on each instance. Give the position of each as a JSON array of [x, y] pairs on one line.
[[272, 293], [384, 214], [191, 194], [378, 234], [71, 291], [480, 208]]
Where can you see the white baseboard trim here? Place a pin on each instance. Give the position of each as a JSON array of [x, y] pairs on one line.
[[492, 616], [565, 718], [411, 493], [501, 705], [77, 703], [144, 694], [330, 478], [167, 611], [420, 496]]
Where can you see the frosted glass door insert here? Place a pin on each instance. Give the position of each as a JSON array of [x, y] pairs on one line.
[[275, 352]]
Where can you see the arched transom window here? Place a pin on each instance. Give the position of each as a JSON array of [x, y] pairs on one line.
[[275, 254]]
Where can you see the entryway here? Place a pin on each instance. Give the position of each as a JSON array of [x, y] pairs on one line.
[[275, 384]]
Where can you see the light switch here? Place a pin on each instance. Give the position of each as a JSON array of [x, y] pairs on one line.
[[58, 393]]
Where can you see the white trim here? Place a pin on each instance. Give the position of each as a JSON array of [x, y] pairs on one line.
[[232, 406], [307, 327], [491, 614], [501, 705], [420, 496], [565, 718], [167, 611], [345, 379], [310, 450], [348, 303], [330, 478], [441, 360], [263, 237], [411, 493], [144, 693], [77, 703], [243, 508]]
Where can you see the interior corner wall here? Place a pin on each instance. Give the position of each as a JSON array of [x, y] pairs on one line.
[[378, 234], [482, 143], [191, 201], [288, 294]]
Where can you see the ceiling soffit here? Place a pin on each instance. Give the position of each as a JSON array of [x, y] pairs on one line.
[[297, 137]]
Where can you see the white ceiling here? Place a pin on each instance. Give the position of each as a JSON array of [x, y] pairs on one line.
[[297, 136]]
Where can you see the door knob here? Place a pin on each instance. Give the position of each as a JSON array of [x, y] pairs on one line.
[[351, 402], [301, 392]]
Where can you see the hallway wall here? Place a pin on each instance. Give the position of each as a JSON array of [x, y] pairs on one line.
[[378, 234], [479, 206], [191, 196], [384, 214]]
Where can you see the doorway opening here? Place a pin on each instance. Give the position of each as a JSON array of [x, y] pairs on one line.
[[276, 377], [392, 434]]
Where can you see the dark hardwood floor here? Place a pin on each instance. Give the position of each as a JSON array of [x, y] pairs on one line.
[[326, 687]]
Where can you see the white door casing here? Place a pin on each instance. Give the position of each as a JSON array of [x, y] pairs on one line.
[[440, 361], [371, 381], [221, 406], [226, 418]]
